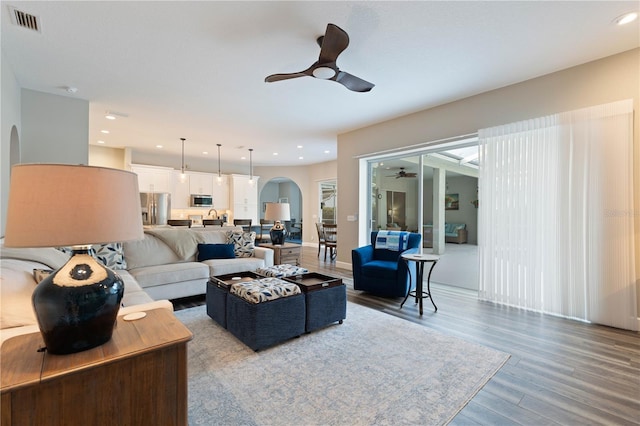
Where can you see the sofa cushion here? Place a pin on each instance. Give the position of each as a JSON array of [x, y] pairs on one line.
[[133, 293], [244, 242], [16, 287], [148, 251], [232, 266], [216, 251], [157, 275]]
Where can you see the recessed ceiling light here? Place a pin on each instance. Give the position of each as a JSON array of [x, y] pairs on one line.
[[243, 158], [159, 146], [300, 158], [205, 152], [106, 132], [326, 152], [275, 153], [100, 142], [299, 146], [626, 18], [110, 117]]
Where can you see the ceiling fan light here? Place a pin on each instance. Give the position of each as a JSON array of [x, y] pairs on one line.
[[626, 18], [324, 73]]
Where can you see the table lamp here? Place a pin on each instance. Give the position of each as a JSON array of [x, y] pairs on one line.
[[277, 212], [54, 205]]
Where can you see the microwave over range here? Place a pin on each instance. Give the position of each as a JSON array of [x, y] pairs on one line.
[[201, 200]]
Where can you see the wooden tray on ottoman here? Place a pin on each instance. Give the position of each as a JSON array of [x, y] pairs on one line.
[[228, 279], [314, 281], [218, 291], [325, 299]]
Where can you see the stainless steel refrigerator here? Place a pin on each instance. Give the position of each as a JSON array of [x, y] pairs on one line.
[[156, 207]]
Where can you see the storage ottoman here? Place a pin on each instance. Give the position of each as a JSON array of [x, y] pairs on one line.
[[325, 299], [218, 291], [261, 325]]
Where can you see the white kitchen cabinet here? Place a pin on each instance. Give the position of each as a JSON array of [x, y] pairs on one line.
[[180, 193], [220, 194], [153, 178], [244, 198], [200, 183]]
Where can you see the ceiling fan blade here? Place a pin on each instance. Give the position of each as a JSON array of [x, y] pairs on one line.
[[280, 77], [334, 42], [352, 82]]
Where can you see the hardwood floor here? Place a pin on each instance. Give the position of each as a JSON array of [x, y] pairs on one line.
[[560, 371]]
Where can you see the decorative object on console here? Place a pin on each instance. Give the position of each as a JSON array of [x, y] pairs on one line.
[[277, 212], [76, 306]]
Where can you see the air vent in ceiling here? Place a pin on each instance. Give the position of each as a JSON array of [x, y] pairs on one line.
[[24, 20]]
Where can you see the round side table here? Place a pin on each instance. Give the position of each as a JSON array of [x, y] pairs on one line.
[[419, 293]]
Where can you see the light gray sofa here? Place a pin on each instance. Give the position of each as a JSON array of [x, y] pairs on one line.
[[159, 267], [17, 283], [165, 264]]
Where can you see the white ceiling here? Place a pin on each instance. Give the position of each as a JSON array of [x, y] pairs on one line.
[[196, 69]]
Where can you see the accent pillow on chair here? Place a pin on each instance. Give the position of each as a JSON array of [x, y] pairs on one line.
[[381, 271]]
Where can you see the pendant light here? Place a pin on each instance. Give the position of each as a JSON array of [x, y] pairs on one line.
[[183, 176], [250, 166], [219, 180]]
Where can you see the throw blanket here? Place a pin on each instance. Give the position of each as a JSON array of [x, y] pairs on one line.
[[182, 241], [392, 240]]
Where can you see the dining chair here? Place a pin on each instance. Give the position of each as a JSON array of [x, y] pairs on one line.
[[330, 231], [179, 222], [265, 225], [245, 223], [320, 237], [214, 222]]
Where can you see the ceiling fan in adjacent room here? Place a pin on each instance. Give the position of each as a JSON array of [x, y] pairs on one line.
[[332, 43], [403, 174]]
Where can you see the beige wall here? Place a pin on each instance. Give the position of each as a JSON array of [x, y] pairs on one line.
[[606, 80], [107, 157], [307, 178]]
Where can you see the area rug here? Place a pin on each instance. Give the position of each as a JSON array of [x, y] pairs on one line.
[[374, 369]]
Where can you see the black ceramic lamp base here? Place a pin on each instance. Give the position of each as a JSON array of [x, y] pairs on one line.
[[277, 233], [77, 305]]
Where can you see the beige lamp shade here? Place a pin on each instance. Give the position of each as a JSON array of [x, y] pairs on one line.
[[53, 205], [277, 211]]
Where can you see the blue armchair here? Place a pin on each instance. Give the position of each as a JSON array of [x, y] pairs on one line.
[[382, 272]]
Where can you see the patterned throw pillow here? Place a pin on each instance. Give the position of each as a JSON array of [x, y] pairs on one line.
[[41, 274], [244, 242], [110, 255]]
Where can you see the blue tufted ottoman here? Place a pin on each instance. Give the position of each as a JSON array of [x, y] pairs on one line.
[[264, 312], [325, 299]]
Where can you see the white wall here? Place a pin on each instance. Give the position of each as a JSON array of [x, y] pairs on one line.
[[55, 129], [606, 80], [10, 117]]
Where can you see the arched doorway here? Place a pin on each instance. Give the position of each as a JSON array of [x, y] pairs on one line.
[[284, 190]]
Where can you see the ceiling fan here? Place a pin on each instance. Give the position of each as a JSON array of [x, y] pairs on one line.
[[332, 43], [403, 174]]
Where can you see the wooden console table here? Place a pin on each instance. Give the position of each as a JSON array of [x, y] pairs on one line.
[[285, 253], [138, 377]]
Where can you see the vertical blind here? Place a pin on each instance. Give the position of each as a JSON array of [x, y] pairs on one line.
[[556, 215]]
